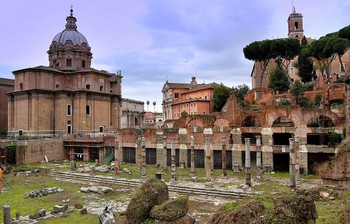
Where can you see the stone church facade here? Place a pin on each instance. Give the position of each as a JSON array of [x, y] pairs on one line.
[[68, 97]]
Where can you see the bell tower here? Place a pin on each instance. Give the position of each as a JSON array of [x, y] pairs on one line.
[[295, 25]]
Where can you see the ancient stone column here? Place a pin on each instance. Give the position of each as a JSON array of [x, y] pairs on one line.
[[183, 147], [224, 159], [86, 154], [71, 153], [7, 213], [143, 153], [207, 162], [236, 150], [258, 157], [292, 181], [116, 160], [248, 180], [302, 158], [173, 162], [139, 153], [267, 151], [164, 162], [159, 149], [193, 173], [296, 152]]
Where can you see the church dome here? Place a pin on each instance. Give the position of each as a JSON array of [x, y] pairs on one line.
[[70, 33], [69, 49]]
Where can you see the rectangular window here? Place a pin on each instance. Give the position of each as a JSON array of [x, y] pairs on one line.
[[257, 95], [69, 110], [69, 62], [176, 95], [83, 64], [101, 129], [69, 129], [88, 111]]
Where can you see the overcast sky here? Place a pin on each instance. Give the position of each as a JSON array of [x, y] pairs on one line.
[[152, 41]]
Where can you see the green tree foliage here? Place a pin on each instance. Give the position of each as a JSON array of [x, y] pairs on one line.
[[263, 51], [221, 94], [285, 50], [297, 89], [344, 32], [318, 99], [327, 48], [259, 51], [305, 65], [278, 80], [241, 91]]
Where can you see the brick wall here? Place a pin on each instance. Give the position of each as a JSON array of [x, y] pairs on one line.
[[34, 151]]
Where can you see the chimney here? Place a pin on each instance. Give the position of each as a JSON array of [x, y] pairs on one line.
[[193, 82]]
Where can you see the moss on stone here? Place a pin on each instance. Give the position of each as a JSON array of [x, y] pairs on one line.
[[152, 192], [171, 210]]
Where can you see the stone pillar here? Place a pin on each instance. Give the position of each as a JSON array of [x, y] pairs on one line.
[[258, 157], [173, 162], [138, 153], [248, 176], [100, 154], [224, 159], [193, 173], [7, 213], [207, 162], [143, 154], [86, 156], [267, 151], [159, 148], [292, 181], [71, 153], [236, 150], [165, 149], [296, 156], [303, 160], [183, 147], [116, 155]]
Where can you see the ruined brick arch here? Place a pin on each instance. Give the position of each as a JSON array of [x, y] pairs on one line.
[[221, 122], [316, 114], [251, 121], [273, 117]]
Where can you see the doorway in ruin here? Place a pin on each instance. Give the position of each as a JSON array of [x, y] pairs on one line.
[[94, 154], [151, 156], [283, 122], [320, 121], [218, 159], [129, 155], [281, 162], [317, 160], [281, 138], [78, 153], [198, 158], [177, 157], [250, 121]]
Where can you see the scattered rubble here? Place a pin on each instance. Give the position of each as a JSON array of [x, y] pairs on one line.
[[42, 192], [102, 190]]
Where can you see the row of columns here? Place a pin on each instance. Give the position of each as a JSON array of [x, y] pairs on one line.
[[264, 156]]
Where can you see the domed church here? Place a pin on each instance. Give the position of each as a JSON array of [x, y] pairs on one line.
[[68, 97]]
